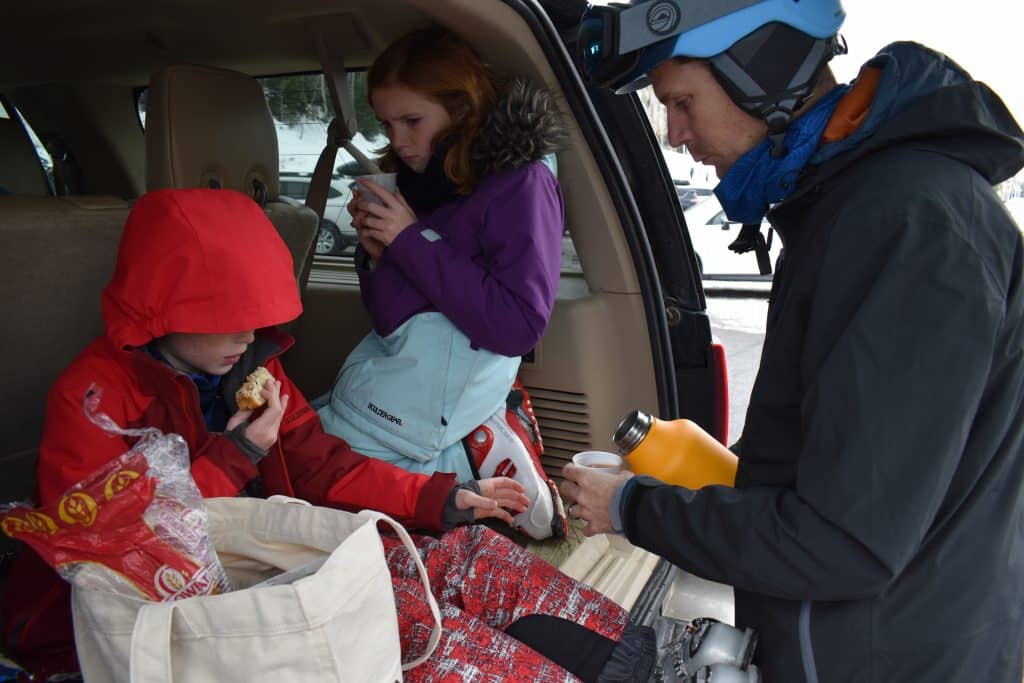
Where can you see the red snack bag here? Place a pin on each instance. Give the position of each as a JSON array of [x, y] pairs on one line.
[[138, 525]]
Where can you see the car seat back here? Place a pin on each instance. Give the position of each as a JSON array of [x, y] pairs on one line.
[[208, 127], [58, 255]]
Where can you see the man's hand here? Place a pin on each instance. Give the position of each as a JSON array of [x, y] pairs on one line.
[[497, 496], [590, 492], [262, 431]]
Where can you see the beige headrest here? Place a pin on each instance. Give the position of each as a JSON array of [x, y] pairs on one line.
[[21, 172], [209, 127]]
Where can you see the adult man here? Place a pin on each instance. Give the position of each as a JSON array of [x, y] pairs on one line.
[[876, 531]]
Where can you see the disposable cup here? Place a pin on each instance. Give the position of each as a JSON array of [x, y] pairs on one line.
[[389, 181], [612, 463]]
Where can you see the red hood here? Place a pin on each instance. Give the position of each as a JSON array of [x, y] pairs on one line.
[[204, 261]]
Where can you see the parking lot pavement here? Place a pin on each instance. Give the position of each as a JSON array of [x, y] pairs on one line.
[[738, 322]]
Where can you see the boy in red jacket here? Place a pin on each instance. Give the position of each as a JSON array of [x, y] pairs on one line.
[[202, 279]]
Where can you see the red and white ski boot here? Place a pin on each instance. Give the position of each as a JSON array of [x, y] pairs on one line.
[[508, 444]]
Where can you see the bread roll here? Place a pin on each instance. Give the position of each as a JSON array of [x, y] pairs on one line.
[[248, 397]]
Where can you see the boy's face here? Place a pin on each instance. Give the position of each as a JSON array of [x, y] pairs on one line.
[[211, 353]]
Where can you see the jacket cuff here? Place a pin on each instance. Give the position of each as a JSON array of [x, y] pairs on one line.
[[632, 491], [617, 502], [452, 515], [251, 450], [430, 504]]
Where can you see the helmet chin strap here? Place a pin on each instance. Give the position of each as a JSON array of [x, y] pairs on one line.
[[777, 120], [764, 92]]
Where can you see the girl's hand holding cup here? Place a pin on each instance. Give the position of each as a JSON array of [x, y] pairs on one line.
[[387, 213]]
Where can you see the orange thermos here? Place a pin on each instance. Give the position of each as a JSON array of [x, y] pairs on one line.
[[674, 451]]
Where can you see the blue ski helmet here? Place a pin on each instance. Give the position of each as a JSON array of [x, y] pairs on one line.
[[766, 54]]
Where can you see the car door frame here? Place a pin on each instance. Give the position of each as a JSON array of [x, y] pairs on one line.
[[620, 137]]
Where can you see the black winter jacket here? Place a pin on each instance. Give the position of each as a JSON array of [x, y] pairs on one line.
[[876, 532]]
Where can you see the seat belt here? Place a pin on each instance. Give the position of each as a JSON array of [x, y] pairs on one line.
[[340, 131], [66, 178]]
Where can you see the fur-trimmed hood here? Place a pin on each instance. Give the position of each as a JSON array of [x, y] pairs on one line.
[[525, 126]]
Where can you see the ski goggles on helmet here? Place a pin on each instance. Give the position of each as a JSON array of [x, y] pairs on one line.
[[617, 44]]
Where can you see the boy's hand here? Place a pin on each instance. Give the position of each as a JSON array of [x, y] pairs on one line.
[[262, 431], [497, 496]]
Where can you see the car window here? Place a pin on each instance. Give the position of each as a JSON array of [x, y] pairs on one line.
[[8, 111], [302, 111], [294, 189]]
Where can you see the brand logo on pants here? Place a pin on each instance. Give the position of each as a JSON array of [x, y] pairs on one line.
[[385, 414]]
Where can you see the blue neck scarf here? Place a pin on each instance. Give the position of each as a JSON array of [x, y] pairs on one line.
[[756, 180]]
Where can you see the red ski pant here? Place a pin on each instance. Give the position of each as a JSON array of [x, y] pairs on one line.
[[483, 582]]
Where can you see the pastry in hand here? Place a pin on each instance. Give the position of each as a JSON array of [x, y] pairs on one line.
[[249, 396]]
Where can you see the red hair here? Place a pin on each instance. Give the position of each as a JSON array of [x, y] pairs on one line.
[[438, 64]]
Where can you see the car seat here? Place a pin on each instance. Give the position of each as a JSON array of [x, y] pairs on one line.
[[209, 127]]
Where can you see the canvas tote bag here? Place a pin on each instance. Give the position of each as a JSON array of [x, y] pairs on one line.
[[338, 624]]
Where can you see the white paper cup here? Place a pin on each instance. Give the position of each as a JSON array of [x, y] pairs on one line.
[[389, 181], [603, 461]]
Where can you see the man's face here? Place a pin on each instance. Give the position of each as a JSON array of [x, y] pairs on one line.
[[701, 116], [211, 353], [411, 121]]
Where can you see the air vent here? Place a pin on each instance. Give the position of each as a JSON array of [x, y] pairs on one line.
[[564, 419]]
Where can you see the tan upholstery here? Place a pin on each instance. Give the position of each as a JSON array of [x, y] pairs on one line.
[[208, 127], [21, 172], [59, 254], [206, 124]]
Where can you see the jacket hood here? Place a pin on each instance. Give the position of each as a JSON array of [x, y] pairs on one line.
[[525, 126], [927, 100], [198, 261]]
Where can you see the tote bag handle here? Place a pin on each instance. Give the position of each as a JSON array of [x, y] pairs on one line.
[[150, 658], [435, 633]]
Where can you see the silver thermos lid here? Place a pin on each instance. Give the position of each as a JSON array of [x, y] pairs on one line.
[[632, 430]]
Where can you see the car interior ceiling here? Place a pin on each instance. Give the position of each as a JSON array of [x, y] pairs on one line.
[[124, 42], [72, 69]]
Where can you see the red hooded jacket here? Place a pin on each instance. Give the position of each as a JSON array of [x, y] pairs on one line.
[[203, 261]]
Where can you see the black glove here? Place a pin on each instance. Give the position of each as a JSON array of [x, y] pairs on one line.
[[751, 239]]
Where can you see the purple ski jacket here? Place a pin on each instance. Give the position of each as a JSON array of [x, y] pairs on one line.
[[490, 261]]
